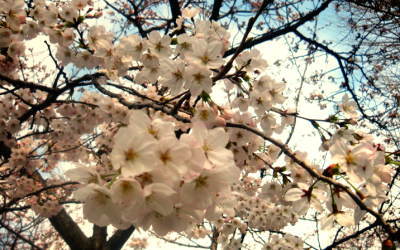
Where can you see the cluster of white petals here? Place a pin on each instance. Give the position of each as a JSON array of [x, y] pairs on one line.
[[151, 170], [287, 241], [263, 215], [158, 180], [358, 164]]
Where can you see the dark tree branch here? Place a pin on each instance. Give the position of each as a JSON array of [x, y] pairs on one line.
[[98, 239], [69, 231], [14, 201], [242, 45], [215, 11], [26, 85], [60, 68], [352, 236], [135, 21], [139, 105], [19, 236], [119, 238], [55, 93], [282, 147], [214, 239], [175, 10], [382, 222], [346, 82], [337, 55], [282, 31]]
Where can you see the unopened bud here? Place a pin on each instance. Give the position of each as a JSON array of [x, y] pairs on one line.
[[219, 122], [388, 245], [352, 122]]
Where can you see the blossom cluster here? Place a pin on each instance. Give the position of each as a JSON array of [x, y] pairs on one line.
[[287, 241], [357, 163], [158, 180], [151, 170], [261, 211]]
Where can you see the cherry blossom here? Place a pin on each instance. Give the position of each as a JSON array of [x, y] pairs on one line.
[[149, 144]]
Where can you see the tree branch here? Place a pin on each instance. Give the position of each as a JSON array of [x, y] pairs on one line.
[[242, 45], [214, 239], [119, 238], [99, 237], [69, 231], [286, 29], [352, 236], [25, 85], [175, 10], [339, 60], [318, 176], [19, 236], [215, 11]]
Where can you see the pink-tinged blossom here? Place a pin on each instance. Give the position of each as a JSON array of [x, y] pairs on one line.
[[98, 206], [348, 107], [132, 46], [158, 197], [271, 190], [251, 60], [55, 35], [69, 13], [151, 70], [16, 49], [68, 37], [268, 123], [85, 175], [206, 54], [6, 37], [157, 128], [213, 143], [173, 75], [343, 218], [275, 92], [341, 199], [384, 172], [30, 30], [371, 201], [172, 154], [260, 101], [180, 219], [50, 15], [85, 59], [357, 161], [200, 190], [105, 48], [190, 12], [172, 159], [65, 55], [14, 12], [96, 34], [185, 44], [127, 192], [242, 103], [263, 83], [224, 203], [133, 153], [197, 80], [158, 202], [303, 197], [286, 242], [160, 45], [205, 114], [79, 4], [198, 159]]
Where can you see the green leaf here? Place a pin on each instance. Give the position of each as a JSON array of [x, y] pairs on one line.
[[205, 97], [174, 41]]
